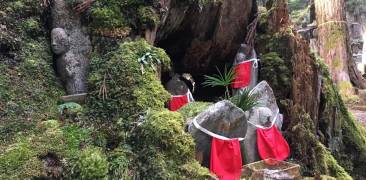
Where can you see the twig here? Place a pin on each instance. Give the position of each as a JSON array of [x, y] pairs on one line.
[[252, 30], [84, 6], [103, 89]]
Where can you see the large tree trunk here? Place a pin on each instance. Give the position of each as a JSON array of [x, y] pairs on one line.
[[334, 43], [315, 115], [200, 38], [332, 37]]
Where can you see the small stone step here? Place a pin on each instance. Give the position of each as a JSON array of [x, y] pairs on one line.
[[77, 98]]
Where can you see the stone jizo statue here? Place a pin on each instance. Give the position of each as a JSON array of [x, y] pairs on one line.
[[71, 46]]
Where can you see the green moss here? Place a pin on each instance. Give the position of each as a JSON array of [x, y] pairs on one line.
[[337, 62], [129, 91], [193, 170], [119, 163], [114, 15], [31, 89], [74, 137], [70, 109], [329, 164], [344, 126], [336, 34], [193, 109], [148, 17], [31, 26], [28, 86], [165, 150], [346, 92], [108, 17], [276, 72], [50, 124], [21, 160], [14, 156], [16, 6], [166, 129], [315, 158], [34, 167], [91, 164]]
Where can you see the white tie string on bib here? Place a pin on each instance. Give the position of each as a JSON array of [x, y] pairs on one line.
[[204, 130], [188, 94], [254, 60]]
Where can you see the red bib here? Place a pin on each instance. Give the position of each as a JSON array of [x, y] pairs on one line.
[[271, 144], [242, 78], [226, 161], [178, 101]]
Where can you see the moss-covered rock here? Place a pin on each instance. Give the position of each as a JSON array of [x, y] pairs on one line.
[[120, 89], [165, 150], [166, 130], [91, 163], [193, 109]]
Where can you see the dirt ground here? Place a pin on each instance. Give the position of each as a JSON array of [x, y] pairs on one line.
[[360, 115]]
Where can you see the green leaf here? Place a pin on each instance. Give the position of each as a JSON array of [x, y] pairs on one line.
[[220, 79], [245, 100]]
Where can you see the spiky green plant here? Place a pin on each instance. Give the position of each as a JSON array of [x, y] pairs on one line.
[[245, 100], [149, 59], [221, 79]]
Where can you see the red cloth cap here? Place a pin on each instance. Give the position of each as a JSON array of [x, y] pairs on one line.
[[226, 161], [271, 144], [242, 78]]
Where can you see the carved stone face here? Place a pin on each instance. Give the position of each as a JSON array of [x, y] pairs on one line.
[[59, 41], [265, 115], [242, 54]]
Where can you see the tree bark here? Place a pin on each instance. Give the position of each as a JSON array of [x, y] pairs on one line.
[[332, 37], [334, 43], [200, 38]]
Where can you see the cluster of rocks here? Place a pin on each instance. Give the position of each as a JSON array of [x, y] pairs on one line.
[[225, 119]]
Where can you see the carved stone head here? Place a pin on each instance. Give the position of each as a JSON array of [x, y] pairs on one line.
[[59, 41], [176, 86], [242, 54]]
